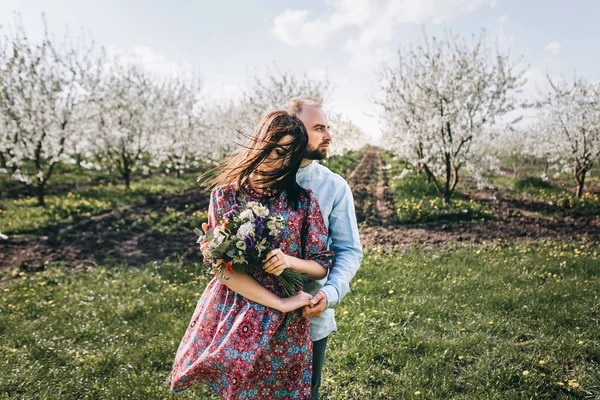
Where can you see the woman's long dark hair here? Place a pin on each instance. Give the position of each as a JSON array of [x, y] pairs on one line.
[[267, 134]]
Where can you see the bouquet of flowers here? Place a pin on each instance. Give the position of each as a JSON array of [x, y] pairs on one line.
[[241, 241]]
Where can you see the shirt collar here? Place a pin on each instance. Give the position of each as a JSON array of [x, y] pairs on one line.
[[308, 168]]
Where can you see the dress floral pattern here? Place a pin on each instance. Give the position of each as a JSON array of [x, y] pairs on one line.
[[242, 349]]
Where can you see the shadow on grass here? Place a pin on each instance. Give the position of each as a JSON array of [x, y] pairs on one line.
[[159, 228]]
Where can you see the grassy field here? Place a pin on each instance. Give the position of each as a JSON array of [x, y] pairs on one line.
[[501, 319], [484, 322]]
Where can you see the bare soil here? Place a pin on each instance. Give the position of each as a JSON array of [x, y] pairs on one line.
[[114, 235], [517, 218]]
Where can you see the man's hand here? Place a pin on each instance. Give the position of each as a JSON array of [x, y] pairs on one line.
[[317, 305]]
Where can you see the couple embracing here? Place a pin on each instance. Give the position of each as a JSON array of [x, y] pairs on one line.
[[246, 338]]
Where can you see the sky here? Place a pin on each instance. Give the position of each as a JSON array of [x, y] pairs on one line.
[[347, 41]]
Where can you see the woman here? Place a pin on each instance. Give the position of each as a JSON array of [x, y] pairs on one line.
[[246, 339]]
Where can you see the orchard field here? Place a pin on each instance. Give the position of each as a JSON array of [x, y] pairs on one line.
[[478, 210], [492, 297]]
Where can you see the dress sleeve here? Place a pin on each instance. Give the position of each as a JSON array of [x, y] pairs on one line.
[[314, 235], [222, 200]]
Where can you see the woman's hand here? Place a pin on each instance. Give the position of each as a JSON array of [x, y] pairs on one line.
[[276, 262], [295, 302]]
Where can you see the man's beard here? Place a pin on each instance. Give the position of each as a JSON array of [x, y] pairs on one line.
[[316, 153]]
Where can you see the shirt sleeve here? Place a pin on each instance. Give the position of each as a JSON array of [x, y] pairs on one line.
[[345, 243], [314, 235]]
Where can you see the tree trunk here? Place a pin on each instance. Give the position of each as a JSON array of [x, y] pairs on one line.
[[3, 161], [127, 177], [447, 191], [79, 159], [41, 193], [580, 178], [126, 171]]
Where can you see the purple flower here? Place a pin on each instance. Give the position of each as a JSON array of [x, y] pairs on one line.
[[259, 227], [229, 214], [249, 242]]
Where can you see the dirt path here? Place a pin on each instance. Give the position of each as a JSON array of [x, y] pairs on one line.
[[372, 195], [516, 218]]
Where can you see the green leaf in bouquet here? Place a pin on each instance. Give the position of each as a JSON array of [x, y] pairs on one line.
[[231, 253], [224, 246], [198, 232]]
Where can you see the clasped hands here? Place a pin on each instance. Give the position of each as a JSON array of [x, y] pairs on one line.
[[312, 306], [274, 263]]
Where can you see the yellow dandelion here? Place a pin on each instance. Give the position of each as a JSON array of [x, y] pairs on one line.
[[580, 342], [461, 358], [417, 393], [541, 362], [525, 373]]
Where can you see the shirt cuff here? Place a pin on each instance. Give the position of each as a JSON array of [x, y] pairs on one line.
[[333, 297]]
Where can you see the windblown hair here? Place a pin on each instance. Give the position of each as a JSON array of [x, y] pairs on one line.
[[266, 137], [296, 104]]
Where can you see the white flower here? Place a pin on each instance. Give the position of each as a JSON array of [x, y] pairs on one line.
[[219, 237], [261, 211], [252, 204], [241, 245], [262, 245], [245, 230], [247, 215], [239, 260]]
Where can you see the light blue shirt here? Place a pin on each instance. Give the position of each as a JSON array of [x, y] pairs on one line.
[[337, 206]]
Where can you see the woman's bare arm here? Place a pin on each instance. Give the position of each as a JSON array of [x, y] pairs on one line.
[[248, 287]]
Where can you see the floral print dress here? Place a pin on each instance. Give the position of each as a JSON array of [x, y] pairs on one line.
[[242, 349]]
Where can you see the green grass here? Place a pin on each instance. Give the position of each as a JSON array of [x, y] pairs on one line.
[[417, 200], [344, 164], [552, 192], [462, 323], [21, 215]]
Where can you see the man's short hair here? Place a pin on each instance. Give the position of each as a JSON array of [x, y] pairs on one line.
[[295, 105]]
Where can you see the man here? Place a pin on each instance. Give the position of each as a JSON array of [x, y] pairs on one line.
[[337, 206]]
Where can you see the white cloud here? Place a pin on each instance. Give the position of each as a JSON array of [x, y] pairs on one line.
[[553, 48], [294, 28], [150, 60], [375, 19]]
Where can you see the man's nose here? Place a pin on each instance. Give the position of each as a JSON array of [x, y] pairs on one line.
[[327, 135]]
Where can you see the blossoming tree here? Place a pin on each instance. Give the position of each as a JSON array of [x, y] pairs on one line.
[[569, 127], [40, 100], [440, 98]]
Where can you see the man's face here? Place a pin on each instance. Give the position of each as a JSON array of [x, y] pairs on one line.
[[316, 124]]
